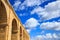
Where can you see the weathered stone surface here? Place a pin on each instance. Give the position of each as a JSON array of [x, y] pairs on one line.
[[10, 26]]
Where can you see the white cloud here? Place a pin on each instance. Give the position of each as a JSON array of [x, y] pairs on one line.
[[21, 7], [31, 24], [16, 4], [48, 36], [31, 2], [42, 32], [52, 10], [28, 30], [27, 3], [50, 25], [37, 10], [58, 0], [24, 14]]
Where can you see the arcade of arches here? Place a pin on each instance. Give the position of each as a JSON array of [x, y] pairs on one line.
[[10, 26]]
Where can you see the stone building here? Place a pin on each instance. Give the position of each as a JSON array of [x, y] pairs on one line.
[[10, 26]]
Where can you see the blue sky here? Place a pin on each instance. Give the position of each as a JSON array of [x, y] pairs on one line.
[[41, 18]]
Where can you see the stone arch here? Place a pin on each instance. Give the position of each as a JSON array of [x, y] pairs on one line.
[[3, 21], [14, 30]]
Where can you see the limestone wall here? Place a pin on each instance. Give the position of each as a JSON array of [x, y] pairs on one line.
[[10, 26]]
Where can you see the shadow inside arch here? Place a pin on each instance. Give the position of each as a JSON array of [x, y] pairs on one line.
[[3, 21]]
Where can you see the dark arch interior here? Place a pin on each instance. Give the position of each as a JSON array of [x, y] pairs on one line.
[[14, 30], [14, 26], [3, 14], [3, 21], [21, 33]]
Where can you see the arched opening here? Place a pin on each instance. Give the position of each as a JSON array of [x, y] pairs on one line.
[[21, 33], [3, 21], [14, 30], [3, 14]]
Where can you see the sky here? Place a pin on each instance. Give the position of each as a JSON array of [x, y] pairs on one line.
[[41, 18]]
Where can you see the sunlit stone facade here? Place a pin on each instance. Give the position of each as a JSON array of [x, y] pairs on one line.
[[10, 26]]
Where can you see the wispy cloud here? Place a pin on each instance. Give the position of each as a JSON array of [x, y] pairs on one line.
[[52, 10], [48, 36], [16, 4], [31, 2], [27, 3], [50, 26], [23, 14]]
